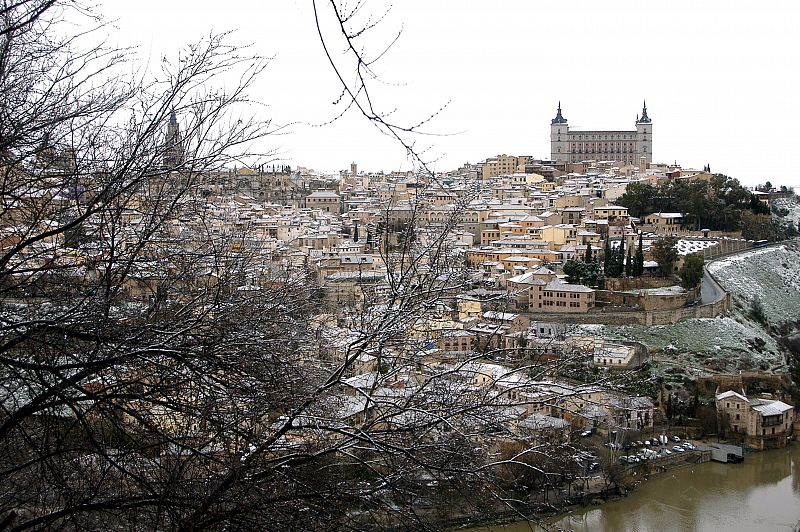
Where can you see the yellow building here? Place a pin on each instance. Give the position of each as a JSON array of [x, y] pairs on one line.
[[611, 213], [502, 165]]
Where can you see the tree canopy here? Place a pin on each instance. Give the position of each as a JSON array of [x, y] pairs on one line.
[[665, 252], [691, 272], [163, 370], [716, 204]]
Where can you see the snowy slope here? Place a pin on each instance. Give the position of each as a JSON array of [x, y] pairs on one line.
[[790, 204], [733, 342], [771, 274]]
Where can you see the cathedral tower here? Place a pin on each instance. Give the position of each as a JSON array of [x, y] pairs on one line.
[[173, 144]]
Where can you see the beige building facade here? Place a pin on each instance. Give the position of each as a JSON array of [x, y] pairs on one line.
[[761, 423]]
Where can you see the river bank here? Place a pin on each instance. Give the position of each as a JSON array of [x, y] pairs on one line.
[[762, 493]]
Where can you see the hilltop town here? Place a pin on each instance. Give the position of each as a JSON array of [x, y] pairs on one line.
[[201, 328], [487, 310]]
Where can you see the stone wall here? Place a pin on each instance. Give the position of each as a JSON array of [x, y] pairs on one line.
[[649, 301], [739, 381], [639, 317], [620, 284]]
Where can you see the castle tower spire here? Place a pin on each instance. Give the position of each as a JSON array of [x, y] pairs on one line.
[[644, 119], [559, 119]]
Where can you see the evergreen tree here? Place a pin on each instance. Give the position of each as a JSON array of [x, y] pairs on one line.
[[355, 231], [628, 264], [575, 271], [587, 257], [606, 256], [665, 254], [619, 257], [692, 271], [593, 276], [639, 261]]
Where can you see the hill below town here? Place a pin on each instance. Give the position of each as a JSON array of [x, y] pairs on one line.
[[765, 290]]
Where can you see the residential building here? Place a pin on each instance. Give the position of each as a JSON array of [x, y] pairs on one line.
[[325, 200], [761, 422]]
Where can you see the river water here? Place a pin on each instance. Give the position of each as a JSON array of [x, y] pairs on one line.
[[761, 494]]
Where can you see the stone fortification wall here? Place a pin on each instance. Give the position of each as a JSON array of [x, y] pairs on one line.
[[654, 315], [647, 300], [739, 381], [639, 317], [620, 284]]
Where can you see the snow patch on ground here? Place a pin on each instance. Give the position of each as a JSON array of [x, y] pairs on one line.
[[790, 204], [733, 342], [723, 264], [770, 274], [705, 346]]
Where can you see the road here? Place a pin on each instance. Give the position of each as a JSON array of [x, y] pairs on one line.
[[710, 291]]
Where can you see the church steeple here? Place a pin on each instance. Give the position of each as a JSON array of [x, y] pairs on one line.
[[559, 119], [644, 119], [173, 144]]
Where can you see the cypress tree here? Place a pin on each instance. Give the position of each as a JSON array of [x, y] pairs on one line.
[[587, 257], [639, 259], [620, 257], [628, 264]]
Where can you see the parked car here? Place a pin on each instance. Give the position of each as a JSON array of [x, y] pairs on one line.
[[647, 442], [586, 433], [688, 446], [678, 449], [667, 452], [676, 439]]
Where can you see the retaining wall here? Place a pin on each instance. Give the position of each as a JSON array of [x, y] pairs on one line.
[[639, 317]]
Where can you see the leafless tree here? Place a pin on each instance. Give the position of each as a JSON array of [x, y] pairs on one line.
[[159, 370]]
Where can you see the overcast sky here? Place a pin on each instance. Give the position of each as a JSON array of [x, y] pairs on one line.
[[720, 78]]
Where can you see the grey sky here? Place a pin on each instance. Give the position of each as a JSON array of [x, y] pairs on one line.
[[719, 77]]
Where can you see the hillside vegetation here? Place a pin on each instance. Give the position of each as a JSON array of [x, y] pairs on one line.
[[765, 291]]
